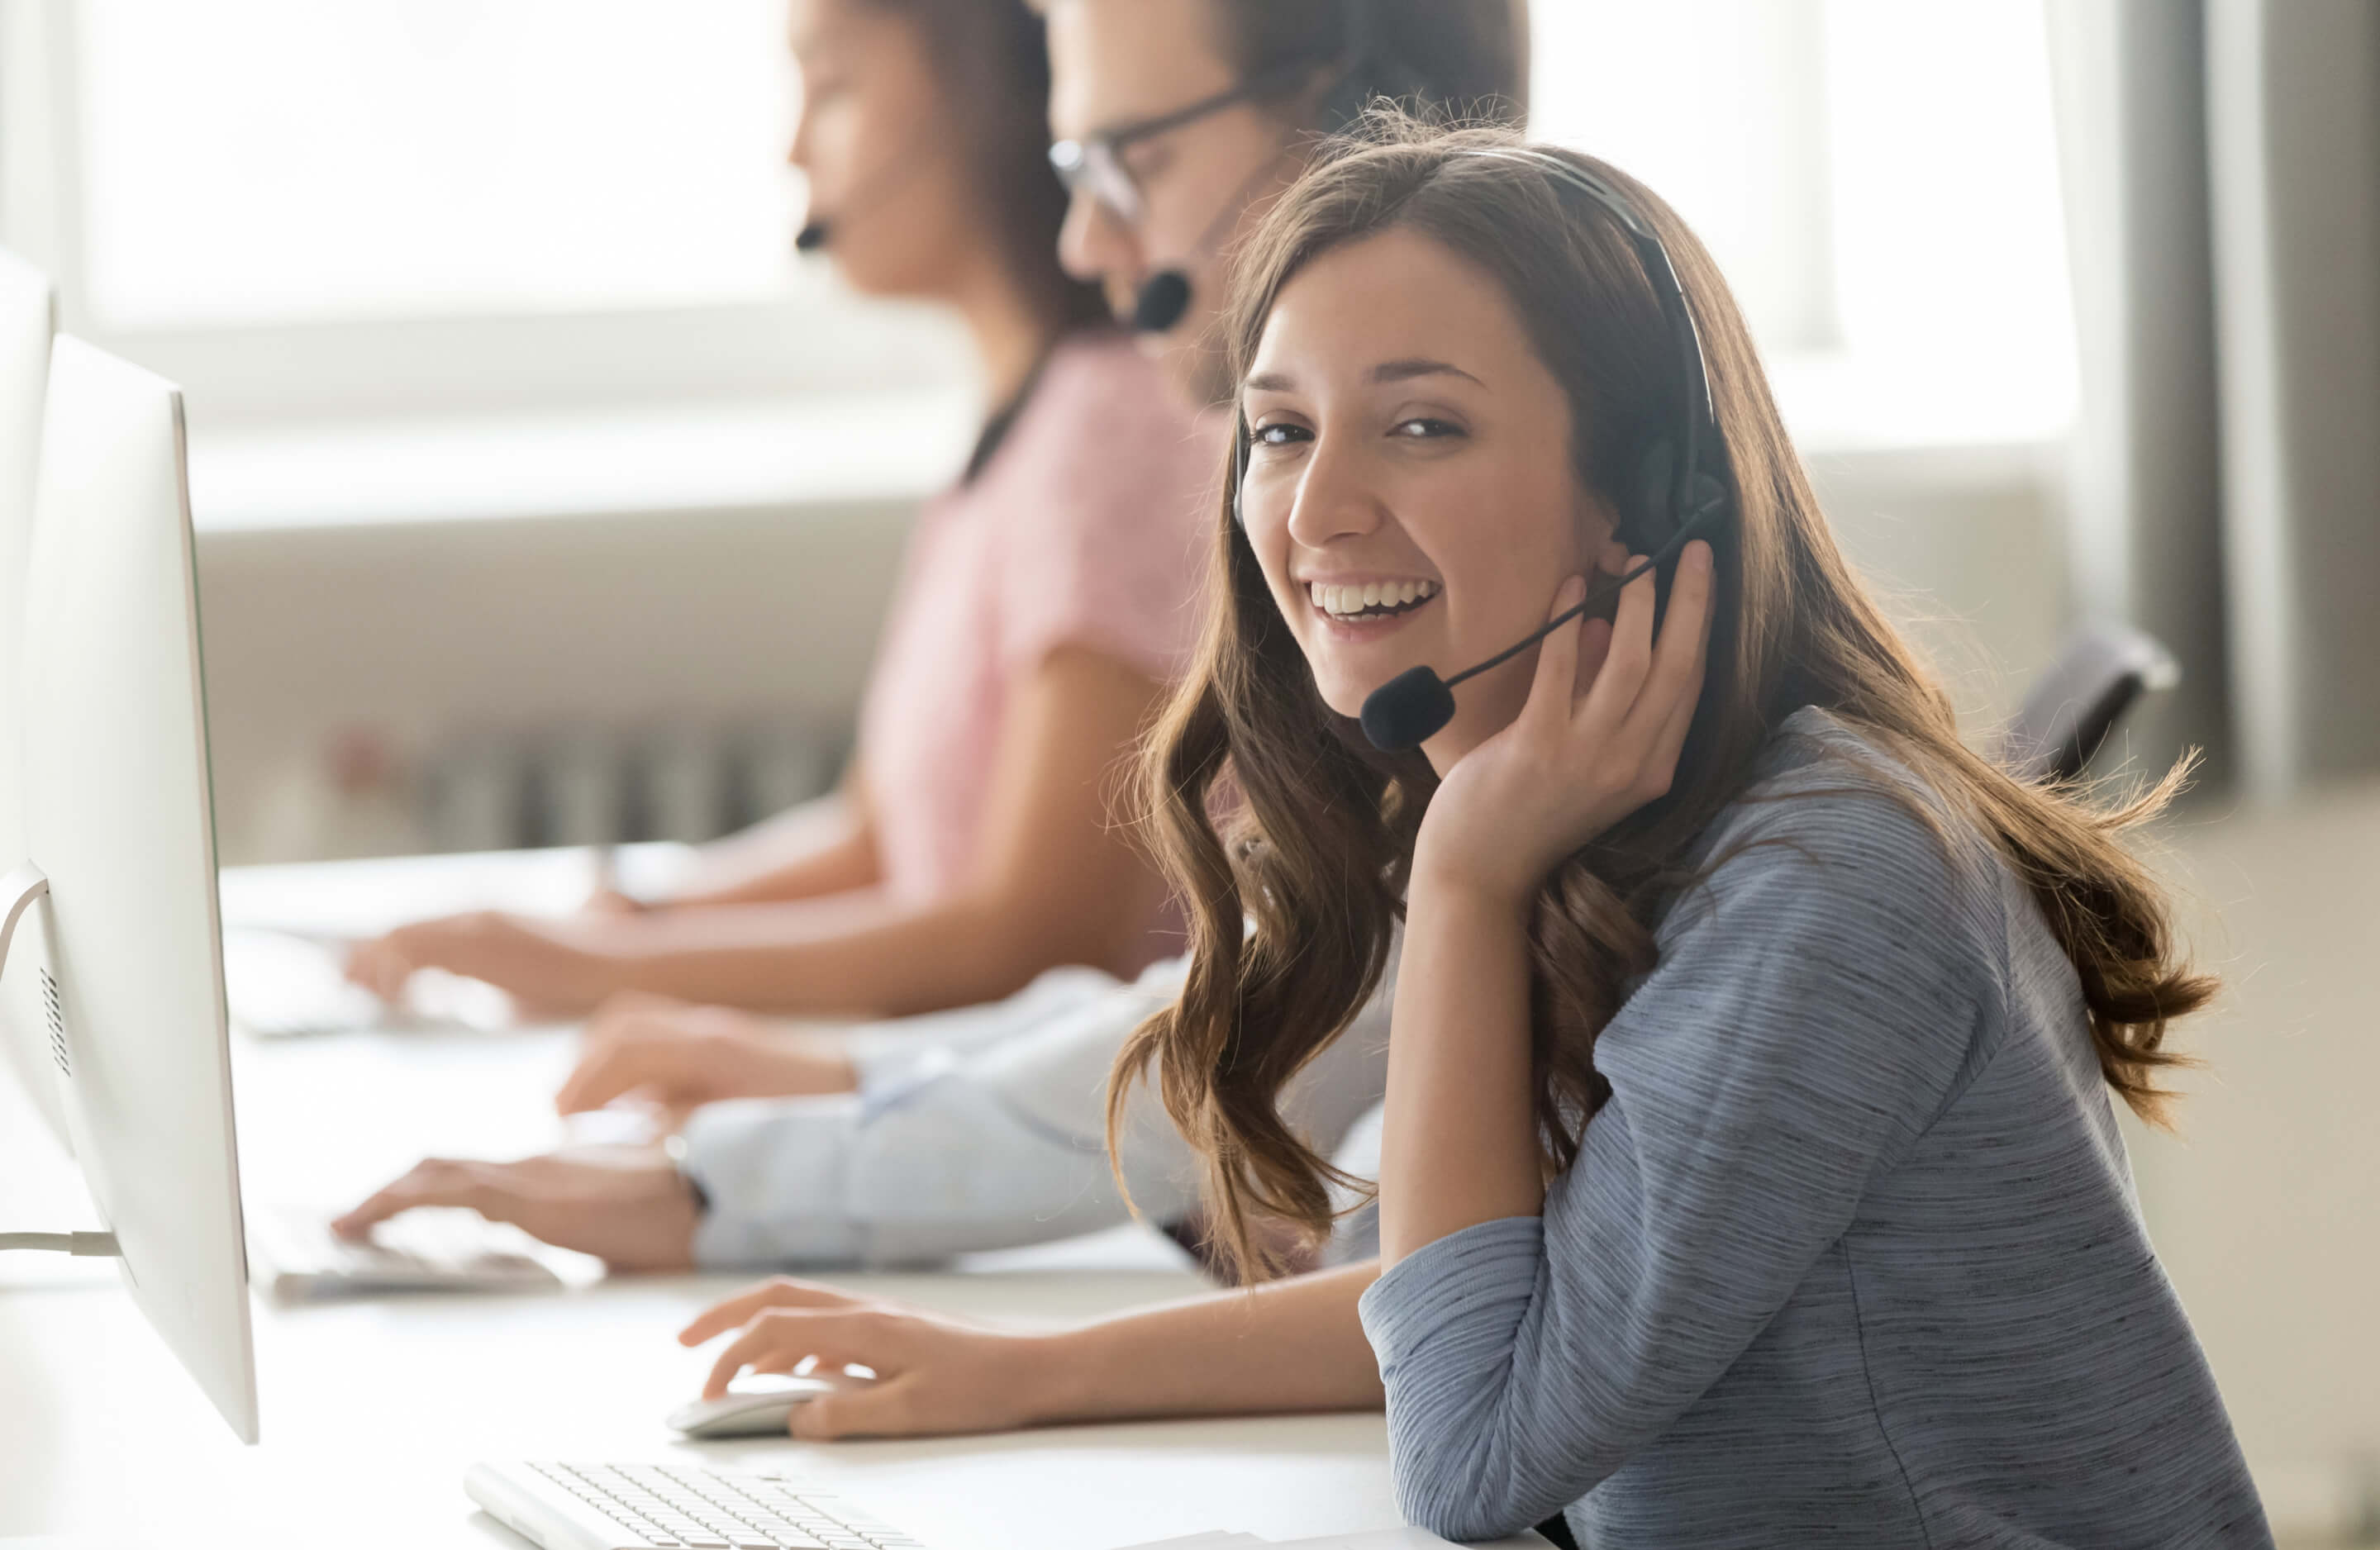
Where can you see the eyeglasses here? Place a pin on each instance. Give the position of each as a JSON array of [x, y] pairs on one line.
[[1095, 165]]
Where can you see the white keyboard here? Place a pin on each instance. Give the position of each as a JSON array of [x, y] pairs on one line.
[[282, 985], [295, 1254], [671, 1507]]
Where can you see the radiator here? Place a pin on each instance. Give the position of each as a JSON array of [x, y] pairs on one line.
[[358, 794]]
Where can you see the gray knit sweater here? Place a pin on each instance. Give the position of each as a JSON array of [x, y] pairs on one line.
[[1852, 1258]]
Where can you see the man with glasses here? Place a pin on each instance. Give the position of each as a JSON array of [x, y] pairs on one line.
[[1177, 120]]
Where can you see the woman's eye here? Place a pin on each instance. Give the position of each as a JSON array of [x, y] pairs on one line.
[[1422, 428], [1146, 163], [1281, 435]]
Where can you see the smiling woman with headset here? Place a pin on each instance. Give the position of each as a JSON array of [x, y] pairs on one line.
[[1048, 598], [1750, 1173]]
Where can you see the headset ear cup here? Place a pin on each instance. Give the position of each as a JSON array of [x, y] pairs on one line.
[[1649, 522], [1708, 503]]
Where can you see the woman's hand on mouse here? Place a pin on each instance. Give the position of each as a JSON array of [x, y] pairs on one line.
[[1599, 737], [934, 1375], [679, 1056], [627, 1206]]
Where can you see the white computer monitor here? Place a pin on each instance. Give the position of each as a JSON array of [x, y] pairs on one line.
[[28, 315], [119, 821]]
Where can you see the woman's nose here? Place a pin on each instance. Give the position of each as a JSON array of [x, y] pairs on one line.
[[1333, 498]]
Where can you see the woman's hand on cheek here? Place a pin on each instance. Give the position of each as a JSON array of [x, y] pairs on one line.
[[1598, 738]]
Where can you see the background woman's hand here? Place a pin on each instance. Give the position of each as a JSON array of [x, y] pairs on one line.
[[550, 966], [934, 1375], [1598, 738], [679, 1056], [628, 1206]]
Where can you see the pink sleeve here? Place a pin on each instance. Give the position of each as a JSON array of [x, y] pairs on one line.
[[1114, 502]]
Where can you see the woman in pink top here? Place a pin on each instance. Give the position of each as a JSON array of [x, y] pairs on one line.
[[1048, 598]]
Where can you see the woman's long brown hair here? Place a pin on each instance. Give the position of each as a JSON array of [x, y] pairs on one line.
[[1290, 838]]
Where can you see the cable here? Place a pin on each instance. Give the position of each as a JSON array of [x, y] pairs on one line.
[[90, 1245]]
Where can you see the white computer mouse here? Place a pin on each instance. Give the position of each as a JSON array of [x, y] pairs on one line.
[[758, 1406]]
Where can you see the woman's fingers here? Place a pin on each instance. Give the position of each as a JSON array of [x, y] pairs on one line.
[[780, 1340], [1606, 707], [1682, 655], [380, 966], [884, 1409], [1685, 633], [1594, 650], [1556, 683], [608, 1071], [623, 1063], [781, 1292], [434, 1181]]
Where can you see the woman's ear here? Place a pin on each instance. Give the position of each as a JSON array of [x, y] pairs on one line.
[[1598, 527]]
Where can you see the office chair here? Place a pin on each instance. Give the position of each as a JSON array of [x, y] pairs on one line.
[[2095, 682]]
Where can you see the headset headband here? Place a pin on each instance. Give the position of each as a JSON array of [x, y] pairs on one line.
[[1696, 409]]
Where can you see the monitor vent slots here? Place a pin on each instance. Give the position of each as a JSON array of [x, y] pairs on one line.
[[56, 1007]]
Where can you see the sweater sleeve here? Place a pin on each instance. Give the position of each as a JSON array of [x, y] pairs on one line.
[[1820, 997]]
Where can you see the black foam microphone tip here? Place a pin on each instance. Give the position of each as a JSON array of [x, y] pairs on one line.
[[810, 238], [1164, 296], [1407, 710]]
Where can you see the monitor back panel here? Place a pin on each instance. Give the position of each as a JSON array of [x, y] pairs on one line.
[[27, 317], [120, 817]]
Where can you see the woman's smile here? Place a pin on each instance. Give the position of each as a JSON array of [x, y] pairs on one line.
[[1361, 608]]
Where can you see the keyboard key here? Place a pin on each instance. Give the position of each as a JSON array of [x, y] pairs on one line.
[[676, 1507]]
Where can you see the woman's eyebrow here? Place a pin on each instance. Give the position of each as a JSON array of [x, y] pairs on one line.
[[1406, 370], [1402, 370]]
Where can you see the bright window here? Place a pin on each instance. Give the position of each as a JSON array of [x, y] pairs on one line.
[[1878, 179], [277, 160]]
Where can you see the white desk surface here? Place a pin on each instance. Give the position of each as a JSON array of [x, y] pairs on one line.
[[372, 1410]]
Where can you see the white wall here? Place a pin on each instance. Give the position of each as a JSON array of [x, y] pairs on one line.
[[433, 631]]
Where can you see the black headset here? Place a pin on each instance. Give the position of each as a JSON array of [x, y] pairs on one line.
[[1680, 490]]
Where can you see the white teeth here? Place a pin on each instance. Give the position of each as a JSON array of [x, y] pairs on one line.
[[1347, 602]]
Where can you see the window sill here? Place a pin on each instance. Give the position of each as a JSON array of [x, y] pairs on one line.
[[887, 446], [1982, 428], [1955, 423]]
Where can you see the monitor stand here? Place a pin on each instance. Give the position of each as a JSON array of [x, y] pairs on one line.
[[18, 891]]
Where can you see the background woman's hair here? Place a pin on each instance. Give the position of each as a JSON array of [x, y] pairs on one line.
[[993, 64], [1269, 808], [1467, 59]]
